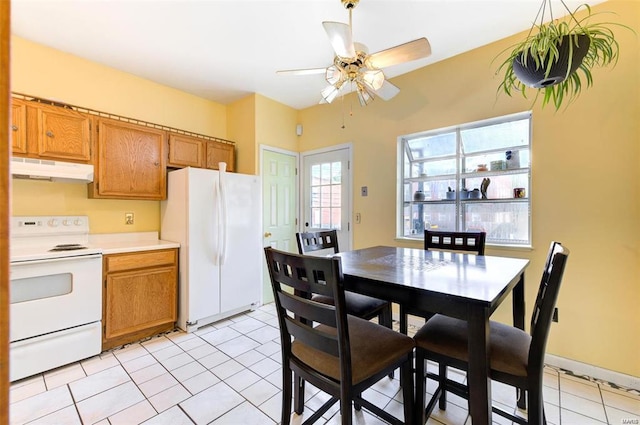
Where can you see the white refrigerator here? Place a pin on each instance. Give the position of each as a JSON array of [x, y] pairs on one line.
[[217, 219]]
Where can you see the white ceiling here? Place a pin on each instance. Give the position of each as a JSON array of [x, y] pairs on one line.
[[223, 50]]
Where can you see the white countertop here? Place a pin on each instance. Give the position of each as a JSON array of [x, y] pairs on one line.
[[116, 243]]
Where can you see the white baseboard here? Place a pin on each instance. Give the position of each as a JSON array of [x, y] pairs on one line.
[[579, 368]]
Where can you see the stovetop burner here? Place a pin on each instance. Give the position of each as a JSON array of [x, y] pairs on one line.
[[67, 247]]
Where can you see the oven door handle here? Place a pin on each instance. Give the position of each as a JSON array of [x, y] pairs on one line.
[[55, 260]]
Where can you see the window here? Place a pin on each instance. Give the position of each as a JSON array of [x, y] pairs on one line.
[[444, 172]]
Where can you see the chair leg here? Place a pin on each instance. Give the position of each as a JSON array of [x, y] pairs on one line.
[[535, 411], [346, 401], [298, 394], [286, 395], [419, 411], [442, 369], [406, 371]]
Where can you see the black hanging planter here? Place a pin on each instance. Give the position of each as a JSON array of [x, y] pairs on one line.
[[536, 78]]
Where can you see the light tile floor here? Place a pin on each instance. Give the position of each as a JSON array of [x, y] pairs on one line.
[[229, 373]]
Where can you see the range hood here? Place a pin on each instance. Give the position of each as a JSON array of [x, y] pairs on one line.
[[55, 171]]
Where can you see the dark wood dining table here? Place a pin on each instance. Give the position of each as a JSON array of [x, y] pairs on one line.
[[464, 286]]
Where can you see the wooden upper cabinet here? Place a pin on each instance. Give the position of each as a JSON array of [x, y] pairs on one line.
[[130, 162], [50, 132], [220, 152], [18, 131], [63, 133], [185, 151]]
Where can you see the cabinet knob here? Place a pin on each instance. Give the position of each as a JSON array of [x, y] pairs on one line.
[[14, 127], [156, 163], [267, 234], [49, 133]]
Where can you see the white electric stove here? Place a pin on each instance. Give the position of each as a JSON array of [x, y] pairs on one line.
[[56, 294]]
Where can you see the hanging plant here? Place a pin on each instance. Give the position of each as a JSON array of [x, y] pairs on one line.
[[556, 58]]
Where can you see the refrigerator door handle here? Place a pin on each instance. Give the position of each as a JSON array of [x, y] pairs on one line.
[[222, 166]]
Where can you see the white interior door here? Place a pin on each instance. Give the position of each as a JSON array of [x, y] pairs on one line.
[[279, 206], [326, 194]]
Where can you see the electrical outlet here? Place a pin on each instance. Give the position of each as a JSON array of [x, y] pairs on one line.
[[554, 318], [364, 191], [128, 218]]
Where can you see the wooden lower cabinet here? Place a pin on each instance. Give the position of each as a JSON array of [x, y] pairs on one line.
[[139, 295]]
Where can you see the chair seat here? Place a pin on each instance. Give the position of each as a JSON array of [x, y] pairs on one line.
[[373, 348], [509, 346], [357, 304]]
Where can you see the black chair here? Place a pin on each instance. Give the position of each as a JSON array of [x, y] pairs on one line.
[[447, 241], [515, 357], [358, 305], [343, 355]]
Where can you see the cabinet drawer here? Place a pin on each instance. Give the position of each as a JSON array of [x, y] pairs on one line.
[[138, 260]]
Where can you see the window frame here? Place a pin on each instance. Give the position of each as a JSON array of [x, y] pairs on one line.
[[461, 175]]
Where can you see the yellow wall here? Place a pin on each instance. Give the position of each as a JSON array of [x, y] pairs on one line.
[[242, 129], [276, 124], [586, 167], [585, 182], [51, 74]]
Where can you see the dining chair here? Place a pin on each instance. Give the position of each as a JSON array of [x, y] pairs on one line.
[[445, 241], [359, 305], [516, 358], [341, 354]]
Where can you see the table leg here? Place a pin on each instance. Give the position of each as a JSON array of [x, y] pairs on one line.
[[518, 303], [478, 373], [518, 321]]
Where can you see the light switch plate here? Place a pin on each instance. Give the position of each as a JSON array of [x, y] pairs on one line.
[[364, 191]]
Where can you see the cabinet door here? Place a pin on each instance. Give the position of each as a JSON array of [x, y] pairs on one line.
[[185, 151], [63, 133], [220, 152], [139, 300], [18, 132], [130, 162]]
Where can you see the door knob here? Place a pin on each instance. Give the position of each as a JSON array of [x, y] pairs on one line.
[[267, 234]]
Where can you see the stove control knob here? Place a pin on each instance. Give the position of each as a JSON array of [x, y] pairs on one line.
[[77, 222], [66, 222], [53, 222]]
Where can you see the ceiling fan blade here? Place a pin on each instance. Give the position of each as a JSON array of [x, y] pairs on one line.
[[309, 71], [416, 49], [340, 38], [387, 91]]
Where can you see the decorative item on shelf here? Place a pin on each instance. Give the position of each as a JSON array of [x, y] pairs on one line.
[[451, 194], [418, 195], [464, 193], [475, 194], [512, 159], [483, 187], [498, 165], [519, 192], [550, 56], [481, 167]]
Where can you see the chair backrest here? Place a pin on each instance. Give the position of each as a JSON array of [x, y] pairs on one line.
[[294, 278], [545, 303], [316, 241], [455, 241]]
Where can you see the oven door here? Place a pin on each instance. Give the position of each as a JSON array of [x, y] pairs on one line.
[[54, 294]]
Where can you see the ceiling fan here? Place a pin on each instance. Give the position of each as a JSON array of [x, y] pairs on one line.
[[354, 68]]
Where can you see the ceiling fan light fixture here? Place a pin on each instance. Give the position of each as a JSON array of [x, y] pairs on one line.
[[373, 78], [334, 74], [365, 96], [329, 93]]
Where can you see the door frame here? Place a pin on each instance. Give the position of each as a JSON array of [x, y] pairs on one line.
[[348, 187]]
